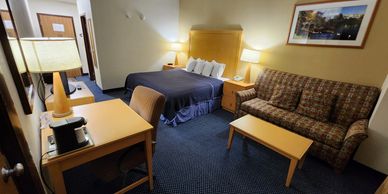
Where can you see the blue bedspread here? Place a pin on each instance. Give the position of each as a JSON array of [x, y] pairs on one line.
[[182, 89]]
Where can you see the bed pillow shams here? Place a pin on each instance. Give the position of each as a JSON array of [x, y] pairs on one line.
[[207, 69], [191, 64], [218, 69], [199, 66]]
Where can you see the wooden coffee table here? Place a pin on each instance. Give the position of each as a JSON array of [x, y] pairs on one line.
[[282, 141]]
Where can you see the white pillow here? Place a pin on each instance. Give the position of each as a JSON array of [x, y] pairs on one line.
[[191, 64], [207, 69], [199, 66], [218, 69]]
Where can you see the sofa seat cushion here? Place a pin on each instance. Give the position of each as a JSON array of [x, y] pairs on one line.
[[326, 133], [253, 106], [261, 108]]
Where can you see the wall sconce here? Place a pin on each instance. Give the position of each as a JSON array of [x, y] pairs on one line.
[[142, 17], [128, 15]]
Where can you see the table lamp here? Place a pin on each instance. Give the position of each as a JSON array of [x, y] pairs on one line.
[[250, 56], [56, 55], [14, 43], [176, 47]]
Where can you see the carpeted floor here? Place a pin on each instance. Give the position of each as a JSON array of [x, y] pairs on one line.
[[192, 158]]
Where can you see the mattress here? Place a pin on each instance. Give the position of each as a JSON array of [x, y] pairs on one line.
[[184, 92]]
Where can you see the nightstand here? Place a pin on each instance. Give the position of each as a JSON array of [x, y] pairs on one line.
[[79, 97], [169, 67], [230, 88]]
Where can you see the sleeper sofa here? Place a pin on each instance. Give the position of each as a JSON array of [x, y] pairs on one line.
[[333, 114]]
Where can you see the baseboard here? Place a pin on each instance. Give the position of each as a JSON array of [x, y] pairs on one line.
[[85, 74], [112, 90]]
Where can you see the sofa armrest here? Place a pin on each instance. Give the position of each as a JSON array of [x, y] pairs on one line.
[[244, 95], [357, 132]]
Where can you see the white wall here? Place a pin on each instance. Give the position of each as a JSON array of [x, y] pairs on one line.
[[59, 8], [131, 45], [373, 152], [84, 8]]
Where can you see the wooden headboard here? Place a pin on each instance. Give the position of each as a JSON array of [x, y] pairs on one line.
[[224, 46]]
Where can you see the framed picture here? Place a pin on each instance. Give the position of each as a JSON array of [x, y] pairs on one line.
[[334, 23]]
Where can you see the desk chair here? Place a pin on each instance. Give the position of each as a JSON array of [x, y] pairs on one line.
[[149, 104]]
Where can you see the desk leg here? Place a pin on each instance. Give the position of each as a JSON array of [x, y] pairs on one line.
[[56, 177], [291, 171], [231, 134], [149, 159]]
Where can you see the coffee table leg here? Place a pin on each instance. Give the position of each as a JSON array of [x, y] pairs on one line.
[[231, 134], [301, 161], [291, 171]]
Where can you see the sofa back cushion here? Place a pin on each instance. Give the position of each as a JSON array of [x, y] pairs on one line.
[[353, 102], [285, 97], [316, 105]]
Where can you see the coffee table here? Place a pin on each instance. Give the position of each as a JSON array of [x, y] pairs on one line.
[[282, 141]]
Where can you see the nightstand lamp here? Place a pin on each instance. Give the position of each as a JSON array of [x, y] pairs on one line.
[[176, 47], [252, 57], [56, 55]]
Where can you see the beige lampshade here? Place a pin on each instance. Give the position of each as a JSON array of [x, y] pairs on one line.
[[44, 55], [176, 46], [17, 54], [250, 56]]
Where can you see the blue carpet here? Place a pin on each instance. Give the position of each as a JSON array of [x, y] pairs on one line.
[[192, 158]]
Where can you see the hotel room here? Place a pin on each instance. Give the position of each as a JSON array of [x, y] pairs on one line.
[[193, 96]]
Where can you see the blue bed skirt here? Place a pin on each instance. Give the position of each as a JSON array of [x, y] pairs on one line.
[[193, 111]]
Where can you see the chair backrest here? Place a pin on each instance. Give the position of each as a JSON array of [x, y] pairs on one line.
[[353, 101], [149, 104]]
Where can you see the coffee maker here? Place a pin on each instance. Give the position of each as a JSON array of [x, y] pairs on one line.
[[69, 134]]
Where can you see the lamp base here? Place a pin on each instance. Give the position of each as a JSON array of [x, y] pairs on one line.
[[72, 89], [60, 115]]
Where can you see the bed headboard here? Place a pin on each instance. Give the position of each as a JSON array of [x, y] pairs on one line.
[[224, 46]]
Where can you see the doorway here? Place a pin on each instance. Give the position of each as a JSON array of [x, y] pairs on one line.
[[89, 57], [58, 26], [14, 151]]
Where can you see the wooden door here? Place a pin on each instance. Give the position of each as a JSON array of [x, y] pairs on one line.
[[89, 56], [11, 32], [8, 187], [58, 26]]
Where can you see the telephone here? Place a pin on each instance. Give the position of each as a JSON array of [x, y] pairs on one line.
[[237, 78], [69, 134]]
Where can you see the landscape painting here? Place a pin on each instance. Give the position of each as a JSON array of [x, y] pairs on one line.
[[332, 24]]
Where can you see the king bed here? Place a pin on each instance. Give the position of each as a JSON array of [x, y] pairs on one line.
[[190, 94]]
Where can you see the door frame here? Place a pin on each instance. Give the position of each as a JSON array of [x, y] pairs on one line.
[[92, 75], [65, 16], [14, 145]]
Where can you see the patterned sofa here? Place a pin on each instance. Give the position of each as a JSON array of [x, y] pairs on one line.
[[336, 139]]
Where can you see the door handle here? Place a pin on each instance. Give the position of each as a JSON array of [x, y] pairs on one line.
[[17, 170]]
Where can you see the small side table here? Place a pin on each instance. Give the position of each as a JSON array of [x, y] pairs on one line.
[[169, 67], [79, 97], [230, 88]]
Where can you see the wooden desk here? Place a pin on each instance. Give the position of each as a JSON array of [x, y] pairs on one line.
[[79, 97], [113, 126], [282, 141]]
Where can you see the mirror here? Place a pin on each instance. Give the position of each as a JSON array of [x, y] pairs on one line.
[[14, 55]]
